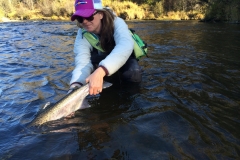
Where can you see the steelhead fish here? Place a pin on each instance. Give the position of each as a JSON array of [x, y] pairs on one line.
[[64, 107]]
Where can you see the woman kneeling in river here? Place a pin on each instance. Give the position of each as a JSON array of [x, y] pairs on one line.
[[113, 37]]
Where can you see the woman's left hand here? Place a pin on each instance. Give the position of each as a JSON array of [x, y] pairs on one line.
[[95, 81]]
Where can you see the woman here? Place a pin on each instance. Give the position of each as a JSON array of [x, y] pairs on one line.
[[91, 65]]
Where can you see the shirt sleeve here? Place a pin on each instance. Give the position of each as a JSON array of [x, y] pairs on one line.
[[123, 49], [83, 66]]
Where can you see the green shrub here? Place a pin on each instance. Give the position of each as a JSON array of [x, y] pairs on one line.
[[126, 9], [6, 7], [20, 12], [29, 4], [45, 7], [56, 8], [69, 7], [233, 11], [158, 9]]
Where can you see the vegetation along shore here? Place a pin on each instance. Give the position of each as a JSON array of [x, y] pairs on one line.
[[204, 10]]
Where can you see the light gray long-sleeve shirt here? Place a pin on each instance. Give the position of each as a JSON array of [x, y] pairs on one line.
[[112, 63]]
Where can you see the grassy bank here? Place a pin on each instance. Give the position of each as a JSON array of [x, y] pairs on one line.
[[63, 9], [128, 10]]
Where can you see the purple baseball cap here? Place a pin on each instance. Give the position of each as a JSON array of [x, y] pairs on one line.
[[85, 8]]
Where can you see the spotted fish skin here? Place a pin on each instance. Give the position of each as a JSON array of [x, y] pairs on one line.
[[64, 107]]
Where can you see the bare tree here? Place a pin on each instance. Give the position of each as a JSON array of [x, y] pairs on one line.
[[30, 4]]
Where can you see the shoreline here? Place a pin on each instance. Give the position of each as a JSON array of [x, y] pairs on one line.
[[5, 20]]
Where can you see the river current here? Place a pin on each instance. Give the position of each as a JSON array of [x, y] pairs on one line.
[[186, 107]]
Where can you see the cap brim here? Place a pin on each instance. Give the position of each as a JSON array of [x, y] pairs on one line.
[[82, 13]]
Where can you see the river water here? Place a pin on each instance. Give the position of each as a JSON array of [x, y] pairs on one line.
[[186, 107]]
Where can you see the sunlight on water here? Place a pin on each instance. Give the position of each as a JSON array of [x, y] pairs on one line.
[[187, 106]]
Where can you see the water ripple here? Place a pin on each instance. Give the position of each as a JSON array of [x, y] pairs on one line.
[[187, 106]]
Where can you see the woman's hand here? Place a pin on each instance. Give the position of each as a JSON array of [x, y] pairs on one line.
[[95, 81]]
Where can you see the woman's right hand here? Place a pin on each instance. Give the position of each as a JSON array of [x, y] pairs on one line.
[[95, 81]]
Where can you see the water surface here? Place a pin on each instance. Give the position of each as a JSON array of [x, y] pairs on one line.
[[187, 106]]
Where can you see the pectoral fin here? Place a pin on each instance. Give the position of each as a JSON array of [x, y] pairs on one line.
[[84, 104], [106, 84]]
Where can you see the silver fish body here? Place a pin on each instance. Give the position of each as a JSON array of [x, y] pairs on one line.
[[67, 105]]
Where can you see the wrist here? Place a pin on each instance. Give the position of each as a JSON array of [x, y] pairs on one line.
[[103, 70]]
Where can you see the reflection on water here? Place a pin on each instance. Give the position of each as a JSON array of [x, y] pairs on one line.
[[187, 106]]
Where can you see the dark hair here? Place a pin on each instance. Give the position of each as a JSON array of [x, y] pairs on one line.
[[107, 30]]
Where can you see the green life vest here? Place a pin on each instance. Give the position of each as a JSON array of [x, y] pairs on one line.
[[140, 47]]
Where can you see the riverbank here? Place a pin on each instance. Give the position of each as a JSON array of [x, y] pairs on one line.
[[5, 19], [169, 16], [62, 10]]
